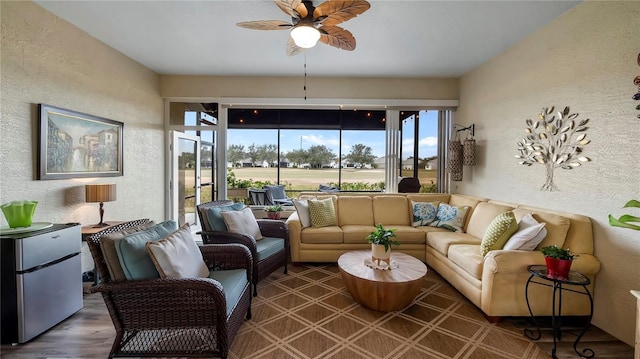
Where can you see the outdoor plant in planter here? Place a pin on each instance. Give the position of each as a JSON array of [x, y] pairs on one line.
[[273, 212], [381, 241], [558, 261]]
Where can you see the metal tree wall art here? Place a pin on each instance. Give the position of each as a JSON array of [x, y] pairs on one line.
[[554, 140]]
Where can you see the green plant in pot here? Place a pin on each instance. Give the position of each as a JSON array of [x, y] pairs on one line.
[[381, 241], [273, 212], [558, 261]]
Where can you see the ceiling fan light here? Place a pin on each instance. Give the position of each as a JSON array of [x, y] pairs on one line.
[[305, 36]]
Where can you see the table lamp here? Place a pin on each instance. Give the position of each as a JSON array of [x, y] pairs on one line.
[[100, 193]]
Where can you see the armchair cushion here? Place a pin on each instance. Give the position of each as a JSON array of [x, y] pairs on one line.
[[243, 222], [233, 282], [215, 218], [268, 246], [108, 248], [178, 256], [134, 258]]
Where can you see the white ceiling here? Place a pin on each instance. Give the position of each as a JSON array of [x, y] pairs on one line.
[[394, 38]]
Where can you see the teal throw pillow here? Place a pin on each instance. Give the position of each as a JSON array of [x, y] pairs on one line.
[[215, 218], [132, 253], [423, 213]]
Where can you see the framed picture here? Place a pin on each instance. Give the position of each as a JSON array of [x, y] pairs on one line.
[[73, 144]]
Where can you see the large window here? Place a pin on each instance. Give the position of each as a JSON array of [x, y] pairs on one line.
[[303, 149], [419, 147]]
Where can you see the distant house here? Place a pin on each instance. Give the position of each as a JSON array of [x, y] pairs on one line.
[[407, 164], [432, 164], [380, 162]]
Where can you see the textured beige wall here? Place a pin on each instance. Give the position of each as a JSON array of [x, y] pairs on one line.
[[293, 87], [46, 60], [585, 59]]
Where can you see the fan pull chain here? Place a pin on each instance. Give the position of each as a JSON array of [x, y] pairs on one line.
[[305, 75]]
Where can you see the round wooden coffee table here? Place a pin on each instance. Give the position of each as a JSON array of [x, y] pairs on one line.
[[382, 290]]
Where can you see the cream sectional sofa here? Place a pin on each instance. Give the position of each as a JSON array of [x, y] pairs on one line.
[[495, 283]]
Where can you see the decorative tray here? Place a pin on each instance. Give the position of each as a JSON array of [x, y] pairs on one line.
[[35, 226], [383, 266]]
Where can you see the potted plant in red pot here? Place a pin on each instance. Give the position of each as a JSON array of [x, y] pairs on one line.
[[273, 212], [558, 261]]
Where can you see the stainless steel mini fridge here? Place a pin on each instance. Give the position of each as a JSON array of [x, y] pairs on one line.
[[41, 278]]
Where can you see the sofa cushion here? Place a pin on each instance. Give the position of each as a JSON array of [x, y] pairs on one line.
[[467, 257], [557, 226], [177, 255], [423, 213], [450, 217], [132, 253], [429, 197], [322, 213], [391, 210], [440, 241], [408, 234], [214, 217], [355, 233], [498, 232], [243, 222], [530, 233], [482, 216], [108, 249], [323, 235], [302, 207], [355, 210]]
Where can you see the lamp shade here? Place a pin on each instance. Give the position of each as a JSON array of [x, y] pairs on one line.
[[305, 36], [100, 192]]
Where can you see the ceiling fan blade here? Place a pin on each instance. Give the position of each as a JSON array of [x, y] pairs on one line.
[[293, 8], [265, 25], [292, 48], [337, 37], [333, 12]]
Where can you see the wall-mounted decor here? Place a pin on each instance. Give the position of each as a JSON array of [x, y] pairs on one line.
[[555, 141], [636, 81], [73, 144], [459, 154]]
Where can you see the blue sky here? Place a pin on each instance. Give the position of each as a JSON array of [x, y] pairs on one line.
[[296, 139]]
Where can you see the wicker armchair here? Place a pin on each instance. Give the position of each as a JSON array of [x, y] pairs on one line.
[[262, 267], [174, 317]]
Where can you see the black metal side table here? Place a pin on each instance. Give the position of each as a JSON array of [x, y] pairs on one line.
[[539, 276]]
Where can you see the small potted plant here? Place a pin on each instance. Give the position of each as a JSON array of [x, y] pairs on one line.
[[558, 261], [273, 212], [381, 240]]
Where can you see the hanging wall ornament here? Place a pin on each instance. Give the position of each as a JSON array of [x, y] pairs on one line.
[[469, 152], [454, 159], [554, 140], [636, 81]]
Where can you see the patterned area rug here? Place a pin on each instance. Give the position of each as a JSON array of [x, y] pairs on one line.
[[309, 314]]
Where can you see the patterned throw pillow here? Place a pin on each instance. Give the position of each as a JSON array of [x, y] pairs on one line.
[[322, 213], [424, 213], [498, 233], [450, 217]]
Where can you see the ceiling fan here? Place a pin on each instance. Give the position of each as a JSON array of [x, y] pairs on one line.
[[310, 23]]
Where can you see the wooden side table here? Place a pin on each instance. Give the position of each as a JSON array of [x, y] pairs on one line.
[[382, 290], [91, 230]]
